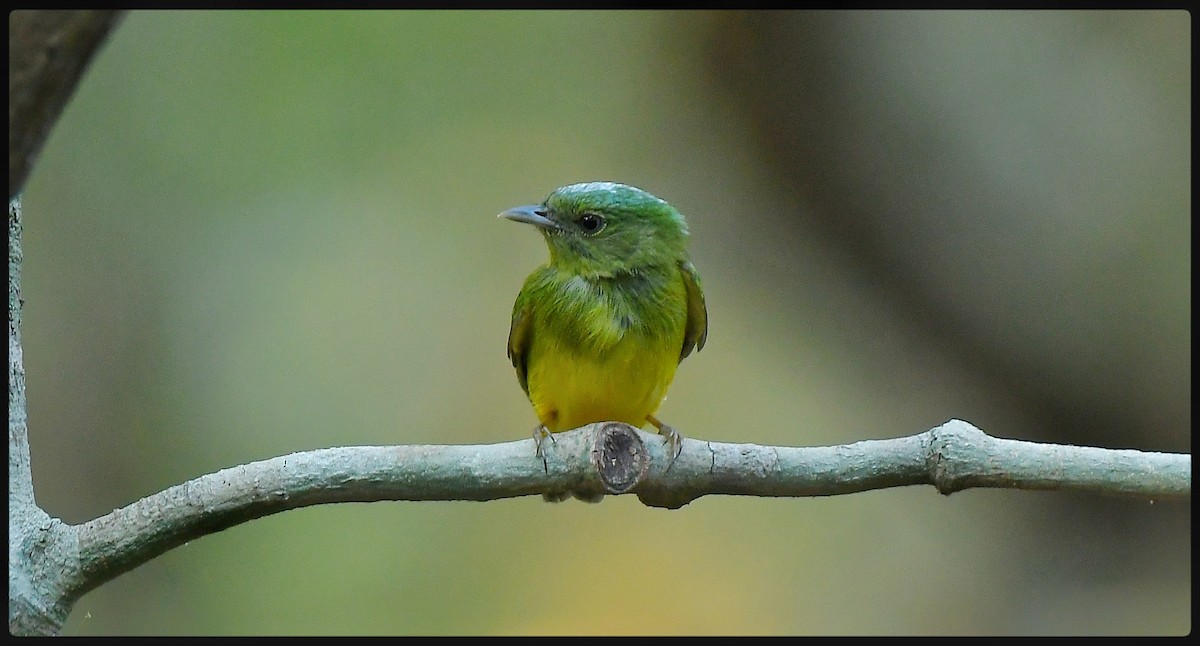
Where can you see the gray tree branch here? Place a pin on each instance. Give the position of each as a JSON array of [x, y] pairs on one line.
[[47, 53], [608, 458], [42, 564]]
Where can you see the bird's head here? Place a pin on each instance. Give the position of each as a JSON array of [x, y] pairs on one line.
[[605, 228]]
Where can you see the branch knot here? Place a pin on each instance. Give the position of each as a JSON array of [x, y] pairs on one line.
[[620, 457]]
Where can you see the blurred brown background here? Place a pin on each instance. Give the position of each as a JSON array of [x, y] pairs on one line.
[[254, 233]]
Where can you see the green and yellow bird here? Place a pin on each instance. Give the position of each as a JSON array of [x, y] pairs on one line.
[[598, 331]]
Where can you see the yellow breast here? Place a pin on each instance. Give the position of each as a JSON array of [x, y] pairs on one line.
[[626, 382]]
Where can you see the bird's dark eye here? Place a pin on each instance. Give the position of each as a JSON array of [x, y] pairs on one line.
[[591, 223]]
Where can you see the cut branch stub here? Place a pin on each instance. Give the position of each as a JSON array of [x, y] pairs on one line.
[[620, 457]]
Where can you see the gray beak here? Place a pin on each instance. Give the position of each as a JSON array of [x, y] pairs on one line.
[[534, 214]]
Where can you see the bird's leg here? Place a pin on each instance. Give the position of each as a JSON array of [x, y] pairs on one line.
[[671, 437], [540, 433]]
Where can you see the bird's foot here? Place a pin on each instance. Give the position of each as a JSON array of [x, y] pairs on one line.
[[540, 433], [671, 437]]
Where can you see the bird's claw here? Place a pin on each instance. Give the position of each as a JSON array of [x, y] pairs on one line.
[[540, 433], [671, 438]]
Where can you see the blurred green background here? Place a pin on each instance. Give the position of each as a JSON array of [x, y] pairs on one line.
[[254, 233]]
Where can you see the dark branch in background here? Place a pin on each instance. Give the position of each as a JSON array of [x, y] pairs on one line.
[[47, 53]]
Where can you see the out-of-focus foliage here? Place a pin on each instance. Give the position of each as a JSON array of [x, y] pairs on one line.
[[253, 233]]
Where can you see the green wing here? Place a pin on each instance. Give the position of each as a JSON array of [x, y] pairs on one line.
[[696, 330], [519, 336]]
